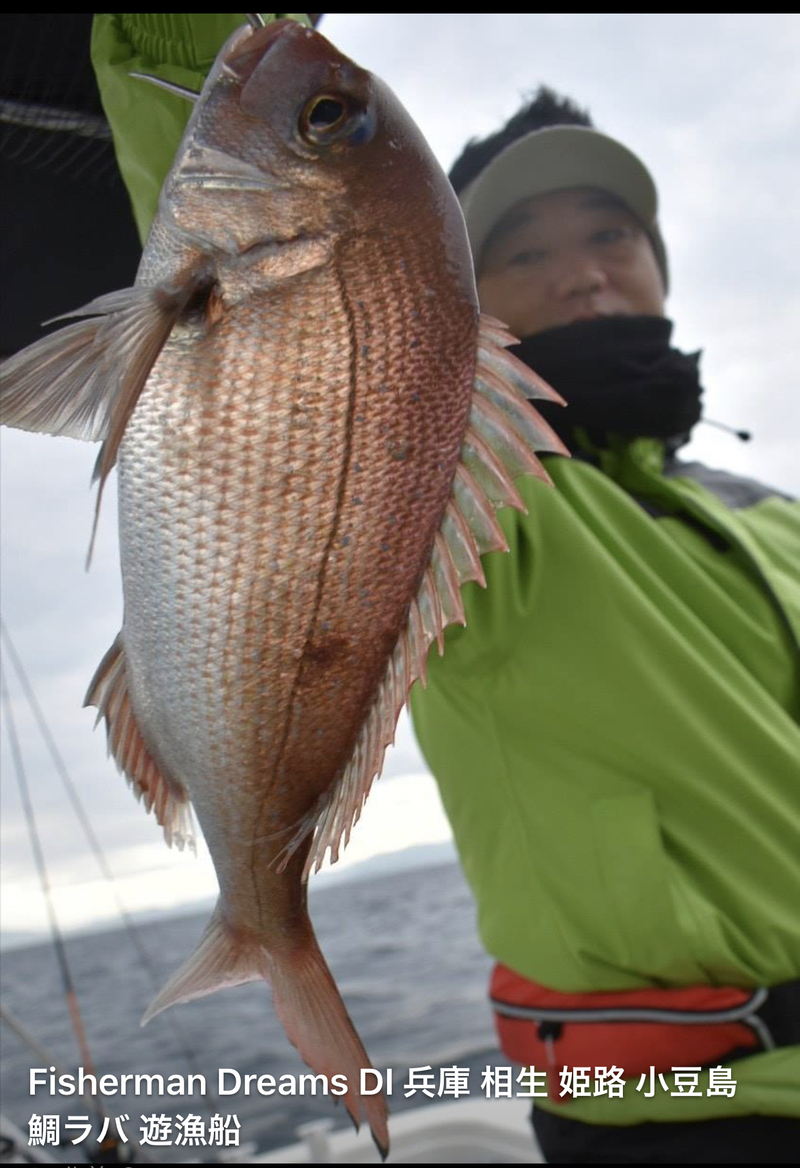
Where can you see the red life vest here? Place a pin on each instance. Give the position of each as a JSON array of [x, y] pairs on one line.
[[630, 1029]]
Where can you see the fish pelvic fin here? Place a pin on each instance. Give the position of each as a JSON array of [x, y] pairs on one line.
[[84, 381], [306, 999], [164, 796], [502, 438]]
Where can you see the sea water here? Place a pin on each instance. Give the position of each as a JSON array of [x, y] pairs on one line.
[[402, 947]]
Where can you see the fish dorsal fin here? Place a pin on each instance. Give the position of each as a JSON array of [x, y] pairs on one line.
[[165, 797], [503, 434], [85, 380]]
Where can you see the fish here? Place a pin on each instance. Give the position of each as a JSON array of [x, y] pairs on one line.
[[313, 426]]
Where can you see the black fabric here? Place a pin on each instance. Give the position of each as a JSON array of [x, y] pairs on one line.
[[749, 1139], [618, 375], [68, 233], [781, 1013], [44, 57]]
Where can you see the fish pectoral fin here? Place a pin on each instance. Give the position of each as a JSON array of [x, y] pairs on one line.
[[84, 380], [162, 795], [306, 999]]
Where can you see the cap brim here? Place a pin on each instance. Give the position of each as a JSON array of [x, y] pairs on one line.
[[554, 159]]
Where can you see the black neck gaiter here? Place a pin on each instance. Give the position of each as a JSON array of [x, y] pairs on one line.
[[616, 374]]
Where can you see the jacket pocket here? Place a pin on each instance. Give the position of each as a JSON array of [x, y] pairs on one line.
[[635, 870]]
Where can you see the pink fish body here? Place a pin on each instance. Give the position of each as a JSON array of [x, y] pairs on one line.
[[312, 426]]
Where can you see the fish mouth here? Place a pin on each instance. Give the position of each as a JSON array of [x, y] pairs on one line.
[[226, 182], [248, 53], [216, 170]]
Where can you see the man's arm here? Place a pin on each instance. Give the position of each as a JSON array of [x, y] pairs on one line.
[[147, 122]]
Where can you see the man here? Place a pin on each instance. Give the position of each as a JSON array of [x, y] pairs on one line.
[[615, 735]]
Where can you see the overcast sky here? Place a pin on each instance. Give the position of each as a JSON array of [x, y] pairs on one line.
[[712, 105]]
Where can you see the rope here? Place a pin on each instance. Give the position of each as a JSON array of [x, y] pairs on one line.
[[58, 941], [22, 1032], [61, 954], [210, 1100]]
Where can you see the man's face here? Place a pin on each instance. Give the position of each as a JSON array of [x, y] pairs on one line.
[[566, 256]]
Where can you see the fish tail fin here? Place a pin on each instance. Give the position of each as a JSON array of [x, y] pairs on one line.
[[316, 1021], [306, 1000], [220, 960]]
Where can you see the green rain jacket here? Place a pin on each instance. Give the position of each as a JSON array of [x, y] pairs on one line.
[[615, 735]]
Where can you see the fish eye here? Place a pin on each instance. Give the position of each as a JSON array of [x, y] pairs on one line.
[[330, 118], [325, 113]]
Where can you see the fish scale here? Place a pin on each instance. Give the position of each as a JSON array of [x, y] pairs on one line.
[[313, 425], [240, 598]]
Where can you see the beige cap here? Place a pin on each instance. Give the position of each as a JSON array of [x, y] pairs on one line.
[[555, 159]]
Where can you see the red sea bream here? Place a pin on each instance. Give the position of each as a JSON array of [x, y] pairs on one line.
[[312, 426]]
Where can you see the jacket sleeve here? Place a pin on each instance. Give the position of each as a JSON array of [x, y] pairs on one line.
[[147, 123]]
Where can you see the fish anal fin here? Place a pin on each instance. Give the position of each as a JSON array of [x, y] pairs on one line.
[[109, 693], [306, 1001]]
